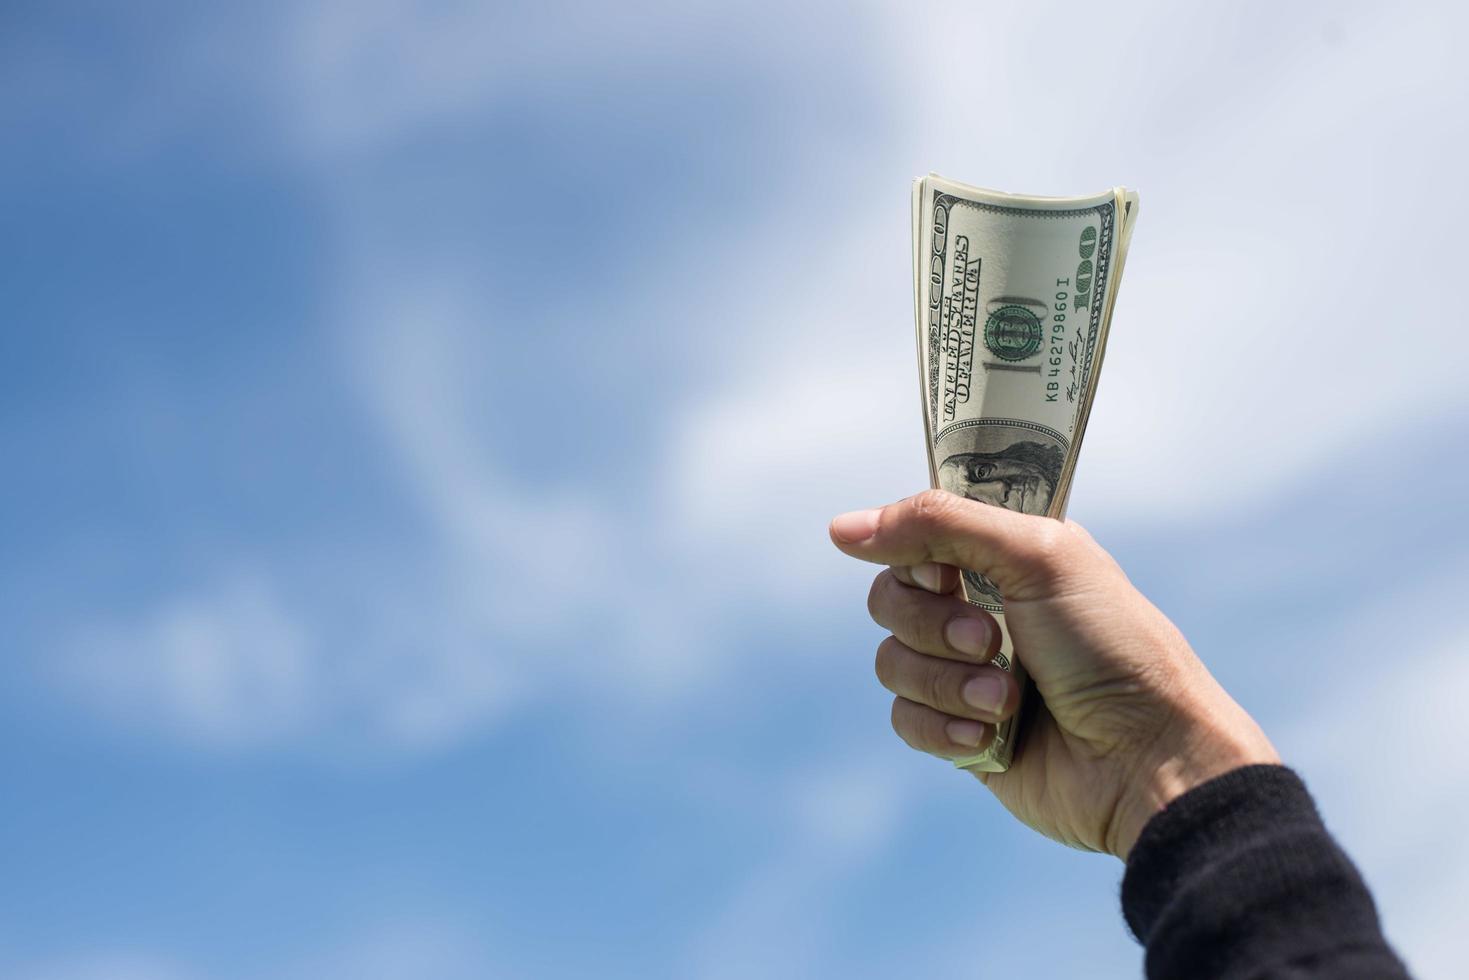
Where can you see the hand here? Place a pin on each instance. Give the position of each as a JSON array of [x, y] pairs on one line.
[[1131, 718]]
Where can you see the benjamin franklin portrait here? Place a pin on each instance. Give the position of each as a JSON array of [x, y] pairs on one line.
[[1020, 477], [1001, 464]]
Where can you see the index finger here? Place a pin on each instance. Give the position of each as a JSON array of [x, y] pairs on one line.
[[1022, 554]]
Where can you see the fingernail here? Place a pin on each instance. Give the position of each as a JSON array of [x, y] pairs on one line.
[[969, 733], [857, 526], [968, 635], [927, 575], [985, 692]]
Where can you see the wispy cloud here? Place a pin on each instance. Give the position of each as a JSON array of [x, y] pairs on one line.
[[227, 665]]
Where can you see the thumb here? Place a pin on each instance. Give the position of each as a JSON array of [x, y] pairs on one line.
[[1028, 557]]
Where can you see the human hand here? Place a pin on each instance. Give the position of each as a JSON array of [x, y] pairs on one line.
[[1131, 718]]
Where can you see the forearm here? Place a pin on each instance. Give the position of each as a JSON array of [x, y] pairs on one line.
[[1239, 878]]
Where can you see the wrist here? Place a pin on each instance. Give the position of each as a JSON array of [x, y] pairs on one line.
[[1202, 746]]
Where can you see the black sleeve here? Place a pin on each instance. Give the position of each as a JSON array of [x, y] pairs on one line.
[[1239, 878]]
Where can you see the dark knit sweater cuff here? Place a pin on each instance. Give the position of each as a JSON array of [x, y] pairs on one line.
[[1241, 869]]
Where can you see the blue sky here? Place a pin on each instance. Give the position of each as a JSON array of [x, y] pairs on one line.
[[420, 423]]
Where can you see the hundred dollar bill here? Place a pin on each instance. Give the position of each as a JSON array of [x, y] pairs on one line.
[[1012, 298]]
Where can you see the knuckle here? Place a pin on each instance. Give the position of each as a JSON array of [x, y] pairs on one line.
[[886, 662], [934, 739], [904, 611], [898, 717], [916, 627], [931, 506], [914, 726], [934, 685], [1051, 545], [939, 732], [877, 596]]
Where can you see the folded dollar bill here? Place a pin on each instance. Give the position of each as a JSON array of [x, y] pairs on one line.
[[1012, 299]]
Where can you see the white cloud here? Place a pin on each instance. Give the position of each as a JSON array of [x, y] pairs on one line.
[[355, 76], [1270, 273], [231, 664], [812, 408], [225, 665], [566, 589]]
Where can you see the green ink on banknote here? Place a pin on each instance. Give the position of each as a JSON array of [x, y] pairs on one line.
[[1013, 333], [1086, 247]]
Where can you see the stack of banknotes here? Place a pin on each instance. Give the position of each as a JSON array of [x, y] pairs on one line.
[[1012, 298]]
